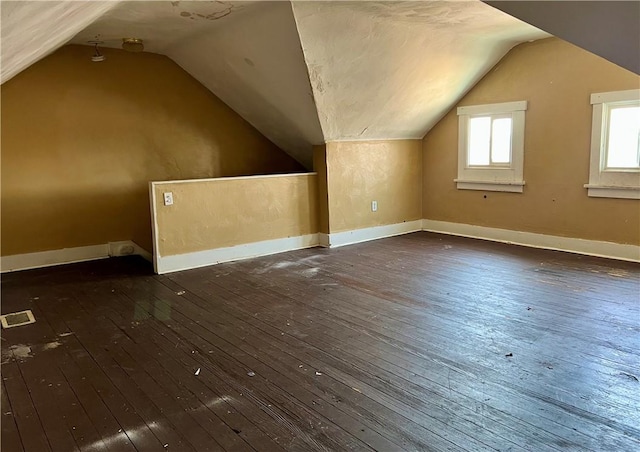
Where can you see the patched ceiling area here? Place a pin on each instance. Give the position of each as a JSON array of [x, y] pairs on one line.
[[302, 73]]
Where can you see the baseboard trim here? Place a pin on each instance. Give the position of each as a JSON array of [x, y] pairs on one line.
[[550, 242], [187, 261], [128, 248], [139, 251], [376, 232], [323, 240], [51, 258], [169, 264]]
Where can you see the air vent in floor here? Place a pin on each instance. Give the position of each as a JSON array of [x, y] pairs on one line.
[[17, 319]]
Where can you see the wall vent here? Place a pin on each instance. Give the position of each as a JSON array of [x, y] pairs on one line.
[[17, 319]]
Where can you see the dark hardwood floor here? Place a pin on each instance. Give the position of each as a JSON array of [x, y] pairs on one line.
[[417, 342]]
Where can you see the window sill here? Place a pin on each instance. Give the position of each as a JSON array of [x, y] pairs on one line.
[[512, 187], [604, 191]]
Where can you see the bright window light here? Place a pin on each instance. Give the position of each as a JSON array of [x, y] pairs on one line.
[[479, 141], [491, 147], [623, 146], [614, 169], [489, 141], [501, 140]]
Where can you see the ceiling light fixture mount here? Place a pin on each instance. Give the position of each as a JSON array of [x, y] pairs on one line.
[[132, 45], [97, 56]]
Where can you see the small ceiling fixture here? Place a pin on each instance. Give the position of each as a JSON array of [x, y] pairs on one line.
[[132, 45], [97, 56]]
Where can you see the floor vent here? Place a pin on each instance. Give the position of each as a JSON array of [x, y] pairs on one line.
[[17, 319]]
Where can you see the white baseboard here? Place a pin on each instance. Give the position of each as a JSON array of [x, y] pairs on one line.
[[168, 264], [128, 248], [43, 259], [323, 240], [203, 258], [377, 232], [534, 240], [139, 251]]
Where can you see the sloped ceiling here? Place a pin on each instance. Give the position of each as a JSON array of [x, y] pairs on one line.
[[247, 53], [254, 63], [302, 73], [33, 30], [392, 69], [607, 28]]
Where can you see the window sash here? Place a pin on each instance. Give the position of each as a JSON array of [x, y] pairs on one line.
[[604, 181], [608, 109], [492, 163], [500, 176]]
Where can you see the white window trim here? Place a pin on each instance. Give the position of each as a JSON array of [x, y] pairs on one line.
[[609, 184], [506, 179]]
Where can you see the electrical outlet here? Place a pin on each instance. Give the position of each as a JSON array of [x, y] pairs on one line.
[[374, 206], [168, 198]]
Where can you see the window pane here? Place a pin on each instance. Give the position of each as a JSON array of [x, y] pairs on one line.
[[624, 132], [501, 140], [479, 138]]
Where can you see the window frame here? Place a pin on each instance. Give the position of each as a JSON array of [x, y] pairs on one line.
[[499, 177], [610, 182]]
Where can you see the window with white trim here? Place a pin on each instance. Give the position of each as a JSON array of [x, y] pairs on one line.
[[615, 145], [491, 147]]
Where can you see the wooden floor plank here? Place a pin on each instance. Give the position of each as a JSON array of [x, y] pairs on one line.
[[133, 427], [204, 432], [351, 307], [79, 397], [397, 344], [396, 424], [32, 433], [105, 355], [348, 341], [187, 340], [562, 368], [10, 437], [260, 344], [181, 366], [631, 422]]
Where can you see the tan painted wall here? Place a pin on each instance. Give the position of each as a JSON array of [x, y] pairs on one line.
[[81, 140], [320, 167], [211, 214], [359, 172], [557, 79]]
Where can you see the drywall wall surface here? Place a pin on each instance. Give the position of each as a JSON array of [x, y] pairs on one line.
[[320, 167], [359, 172], [219, 213], [557, 79], [81, 140]]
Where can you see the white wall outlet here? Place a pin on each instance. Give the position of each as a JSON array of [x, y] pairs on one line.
[[168, 198], [374, 206]]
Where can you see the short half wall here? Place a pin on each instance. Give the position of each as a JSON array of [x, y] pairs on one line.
[[225, 219]]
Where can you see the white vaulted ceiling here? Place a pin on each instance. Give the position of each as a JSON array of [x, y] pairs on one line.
[[32, 30], [255, 64], [392, 69], [302, 73], [247, 53]]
